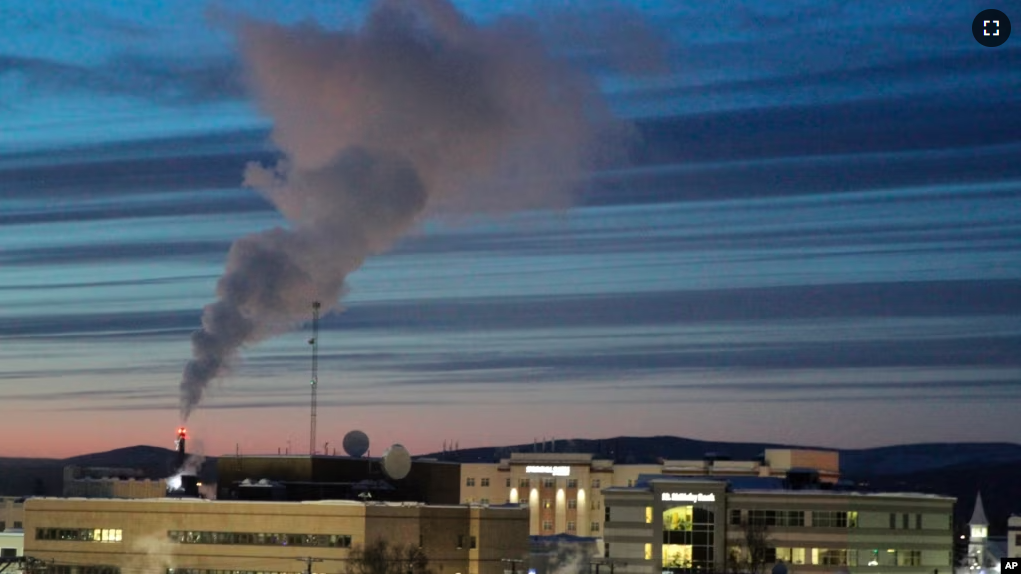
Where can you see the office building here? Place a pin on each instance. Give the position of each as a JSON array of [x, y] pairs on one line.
[[685, 524], [194, 536], [563, 491]]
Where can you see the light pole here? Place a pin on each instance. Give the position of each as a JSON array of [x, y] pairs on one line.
[[308, 563]]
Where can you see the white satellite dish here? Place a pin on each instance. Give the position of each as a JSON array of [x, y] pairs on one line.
[[396, 462], [356, 443]]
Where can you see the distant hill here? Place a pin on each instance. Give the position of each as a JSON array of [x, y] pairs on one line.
[[44, 476]]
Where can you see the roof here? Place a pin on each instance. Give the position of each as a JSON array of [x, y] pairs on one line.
[[978, 517]]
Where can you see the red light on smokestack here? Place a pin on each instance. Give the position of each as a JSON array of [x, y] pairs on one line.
[[182, 432]]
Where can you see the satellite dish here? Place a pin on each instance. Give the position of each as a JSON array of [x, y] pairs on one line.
[[396, 462], [356, 443]]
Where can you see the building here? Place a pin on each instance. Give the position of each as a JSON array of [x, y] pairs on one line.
[[297, 478], [1014, 536], [12, 513], [194, 536], [984, 551], [564, 490], [12, 546], [711, 524], [103, 482]]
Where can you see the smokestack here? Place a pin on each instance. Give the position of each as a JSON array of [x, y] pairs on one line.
[[182, 438], [417, 108]]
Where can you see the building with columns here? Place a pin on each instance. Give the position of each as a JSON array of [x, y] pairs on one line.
[[564, 491]]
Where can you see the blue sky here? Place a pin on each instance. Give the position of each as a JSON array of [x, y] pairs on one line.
[[815, 240]]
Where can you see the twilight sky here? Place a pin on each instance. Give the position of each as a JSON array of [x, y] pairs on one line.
[[814, 238]]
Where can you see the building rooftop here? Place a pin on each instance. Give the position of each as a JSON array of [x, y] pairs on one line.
[[763, 485]]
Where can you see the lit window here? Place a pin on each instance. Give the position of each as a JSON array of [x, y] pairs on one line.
[[648, 516], [648, 551], [547, 503]]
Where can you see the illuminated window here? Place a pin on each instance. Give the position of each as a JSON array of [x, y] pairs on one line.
[[259, 538], [80, 534], [547, 503], [791, 555], [648, 551], [648, 515]]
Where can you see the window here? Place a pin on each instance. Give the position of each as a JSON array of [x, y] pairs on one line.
[[831, 519], [547, 503], [893, 521], [523, 483], [571, 527], [648, 551], [508, 483], [572, 483], [735, 517], [572, 503], [909, 558], [594, 527], [460, 541], [483, 501], [1017, 539], [648, 515], [3, 526], [469, 481], [630, 482], [791, 555], [80, 534], [606, 515], [918, 522], [595, 483], [547, 525], [904, 521], [17, 524], [549, 482], [8, 552], [595, 505], [829, 557], [606, 549], [471, 542], [485, 482]]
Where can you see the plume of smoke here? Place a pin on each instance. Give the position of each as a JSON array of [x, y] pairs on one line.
[[150, 553], [191, 467], [416, 110]]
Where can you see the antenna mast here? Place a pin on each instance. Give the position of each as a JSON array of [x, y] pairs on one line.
[[314, 341]]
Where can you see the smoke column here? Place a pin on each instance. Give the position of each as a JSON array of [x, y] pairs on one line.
[[415, 110]]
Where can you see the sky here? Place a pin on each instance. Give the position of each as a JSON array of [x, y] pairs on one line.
[[812, 236]]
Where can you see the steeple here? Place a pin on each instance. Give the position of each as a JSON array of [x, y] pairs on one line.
[[978, 517]]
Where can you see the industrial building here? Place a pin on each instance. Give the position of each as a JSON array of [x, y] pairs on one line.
[[686, 524], [195, 536], [564, 491], [303, 478]]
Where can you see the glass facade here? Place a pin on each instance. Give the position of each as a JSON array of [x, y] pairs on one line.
[[689, 538], [259, 538]]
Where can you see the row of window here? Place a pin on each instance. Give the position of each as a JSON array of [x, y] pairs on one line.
[[547, 526], [3, 525], [80, 534], [838, 556], [546, 482], [571, 503], [259, 538]]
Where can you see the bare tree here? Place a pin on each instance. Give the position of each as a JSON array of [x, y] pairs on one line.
[[752, 557], [382, 557]]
